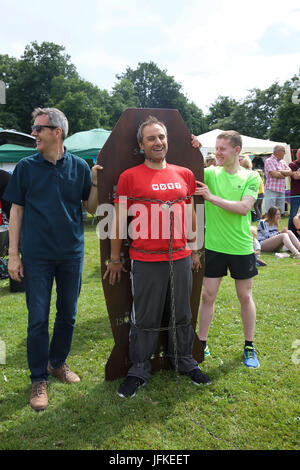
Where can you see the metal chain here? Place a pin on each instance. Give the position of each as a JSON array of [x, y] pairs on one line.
[[159, 201], [173, 309], [173, 312]]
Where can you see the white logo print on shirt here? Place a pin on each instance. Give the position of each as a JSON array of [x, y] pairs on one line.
[[164, 187]]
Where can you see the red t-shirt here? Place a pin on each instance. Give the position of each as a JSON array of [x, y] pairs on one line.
[[150, 226]]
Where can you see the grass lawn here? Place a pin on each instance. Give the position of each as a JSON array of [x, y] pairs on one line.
[[241, 409]]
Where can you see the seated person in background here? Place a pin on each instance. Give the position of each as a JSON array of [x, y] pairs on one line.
[[296, 226], [271, 239], [256, 247]]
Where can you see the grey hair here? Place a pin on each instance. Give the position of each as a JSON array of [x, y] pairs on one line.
[[56, 118], [149, 121], [278, 147]]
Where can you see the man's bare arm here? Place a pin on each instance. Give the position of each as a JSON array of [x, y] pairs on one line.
[[295, 175], [15, 266], [237, 207], [115, 266], [276, 174]]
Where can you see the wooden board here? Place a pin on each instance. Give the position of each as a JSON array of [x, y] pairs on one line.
[[120, 152]]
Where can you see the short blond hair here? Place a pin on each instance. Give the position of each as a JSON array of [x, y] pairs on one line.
[[234, 138]]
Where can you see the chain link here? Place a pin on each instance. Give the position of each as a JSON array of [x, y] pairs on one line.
[[173, 310]]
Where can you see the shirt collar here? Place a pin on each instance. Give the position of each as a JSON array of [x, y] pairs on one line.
[[65, 156]]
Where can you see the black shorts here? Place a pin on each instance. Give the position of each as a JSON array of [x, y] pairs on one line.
[[240, 266]]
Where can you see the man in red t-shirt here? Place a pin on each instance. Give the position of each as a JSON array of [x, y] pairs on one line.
[[295, 189], [143, 192]]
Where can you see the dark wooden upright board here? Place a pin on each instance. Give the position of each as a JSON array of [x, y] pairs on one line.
[[120, 152]]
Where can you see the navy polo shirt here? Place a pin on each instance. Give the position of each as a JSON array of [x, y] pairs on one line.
[[52, 226]]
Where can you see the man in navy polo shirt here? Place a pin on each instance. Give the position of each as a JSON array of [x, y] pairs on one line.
[[47, 190]]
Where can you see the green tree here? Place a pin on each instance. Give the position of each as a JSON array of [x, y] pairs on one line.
[[29, 79], [8, 120], [8, 66], [251, 116], [194, 119], [285, 124], [220, 109], [154, 88], [85, 105], [123, 97]]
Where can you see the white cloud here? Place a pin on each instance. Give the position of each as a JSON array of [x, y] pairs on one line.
[[221, 52], [249, 72], [211, 48]]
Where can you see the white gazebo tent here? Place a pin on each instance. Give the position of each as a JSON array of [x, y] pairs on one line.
[[251, 145]]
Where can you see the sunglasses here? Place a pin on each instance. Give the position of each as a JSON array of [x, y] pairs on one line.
[[39, 128]]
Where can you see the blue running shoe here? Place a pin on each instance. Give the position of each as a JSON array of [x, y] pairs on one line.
[[250, 357]]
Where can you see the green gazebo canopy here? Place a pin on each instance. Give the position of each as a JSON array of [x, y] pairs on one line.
[[86, 144], [10, 153]]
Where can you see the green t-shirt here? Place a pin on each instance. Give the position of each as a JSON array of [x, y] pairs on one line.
[[227, 232]]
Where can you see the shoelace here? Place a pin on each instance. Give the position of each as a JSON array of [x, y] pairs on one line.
[[66, 370], [250, 351], [39, 389]]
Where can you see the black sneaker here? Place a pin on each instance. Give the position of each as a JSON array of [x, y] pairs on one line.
[[130, 385], [198, 377]]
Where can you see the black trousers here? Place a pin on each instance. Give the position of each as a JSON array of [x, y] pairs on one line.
[[151, 291]]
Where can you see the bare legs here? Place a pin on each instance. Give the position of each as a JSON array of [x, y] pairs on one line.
[[287, 239], [244, 294], [207, 307], [248, 310]]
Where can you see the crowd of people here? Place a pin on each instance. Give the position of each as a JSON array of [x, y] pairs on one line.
[[48, 189], [267, 237]]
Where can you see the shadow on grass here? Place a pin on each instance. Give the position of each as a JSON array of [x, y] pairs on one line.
[[83, 417], [90, 415], [90, 332], [217, 369]]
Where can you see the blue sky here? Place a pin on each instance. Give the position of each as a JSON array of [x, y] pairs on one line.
[[211, 47]]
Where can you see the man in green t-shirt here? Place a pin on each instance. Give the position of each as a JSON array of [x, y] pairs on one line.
[[229, 192]]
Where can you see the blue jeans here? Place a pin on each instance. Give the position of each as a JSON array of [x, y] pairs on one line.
[[274, 198], [38, 279], [294, 206]]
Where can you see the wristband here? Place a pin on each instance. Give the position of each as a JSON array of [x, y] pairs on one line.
[[114, 261], [95, 185]]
